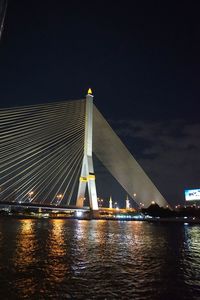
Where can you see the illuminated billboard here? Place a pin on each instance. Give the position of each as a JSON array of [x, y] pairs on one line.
[[191, 195]]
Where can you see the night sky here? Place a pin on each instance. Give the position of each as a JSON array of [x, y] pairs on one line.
[[142, 60]]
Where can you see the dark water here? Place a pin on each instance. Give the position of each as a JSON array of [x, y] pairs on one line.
[[70, 259]]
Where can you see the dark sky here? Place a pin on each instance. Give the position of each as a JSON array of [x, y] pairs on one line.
[[142, 59]]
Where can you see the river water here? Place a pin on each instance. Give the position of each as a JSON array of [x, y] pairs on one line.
[[74, 259]]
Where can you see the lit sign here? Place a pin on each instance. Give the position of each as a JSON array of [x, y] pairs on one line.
[[192, 194]]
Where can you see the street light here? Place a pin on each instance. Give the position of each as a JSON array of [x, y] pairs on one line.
[[100, 202], [59, 198], [30, 194]]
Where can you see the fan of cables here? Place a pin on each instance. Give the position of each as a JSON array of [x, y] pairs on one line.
[[3, 8], [41, 151]]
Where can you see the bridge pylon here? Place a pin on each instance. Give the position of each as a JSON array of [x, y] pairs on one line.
[[87, 177]]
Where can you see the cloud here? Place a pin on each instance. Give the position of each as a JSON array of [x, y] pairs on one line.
[[168, 152]]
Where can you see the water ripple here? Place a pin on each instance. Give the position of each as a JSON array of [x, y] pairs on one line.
[[70, 259]]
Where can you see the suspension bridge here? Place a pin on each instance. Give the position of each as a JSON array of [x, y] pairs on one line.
[[46, 156]]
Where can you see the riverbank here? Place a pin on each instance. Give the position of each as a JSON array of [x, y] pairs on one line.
[[188, 220]]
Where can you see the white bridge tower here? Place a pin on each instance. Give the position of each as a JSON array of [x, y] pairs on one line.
[[87, 172]]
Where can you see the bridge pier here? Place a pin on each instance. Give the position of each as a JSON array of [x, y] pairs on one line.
[[87, 177]]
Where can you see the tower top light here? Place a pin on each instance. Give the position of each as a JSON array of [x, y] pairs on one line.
[[89, 91]]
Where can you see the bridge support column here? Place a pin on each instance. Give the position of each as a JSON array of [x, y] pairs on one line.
[[87, 177]]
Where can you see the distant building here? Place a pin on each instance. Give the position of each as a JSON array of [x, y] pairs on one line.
[[110, 202], [127, 203]]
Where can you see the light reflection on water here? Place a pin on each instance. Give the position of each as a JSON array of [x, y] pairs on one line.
[[24, 257], [56, 249], [191, 254], [71, 259]]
